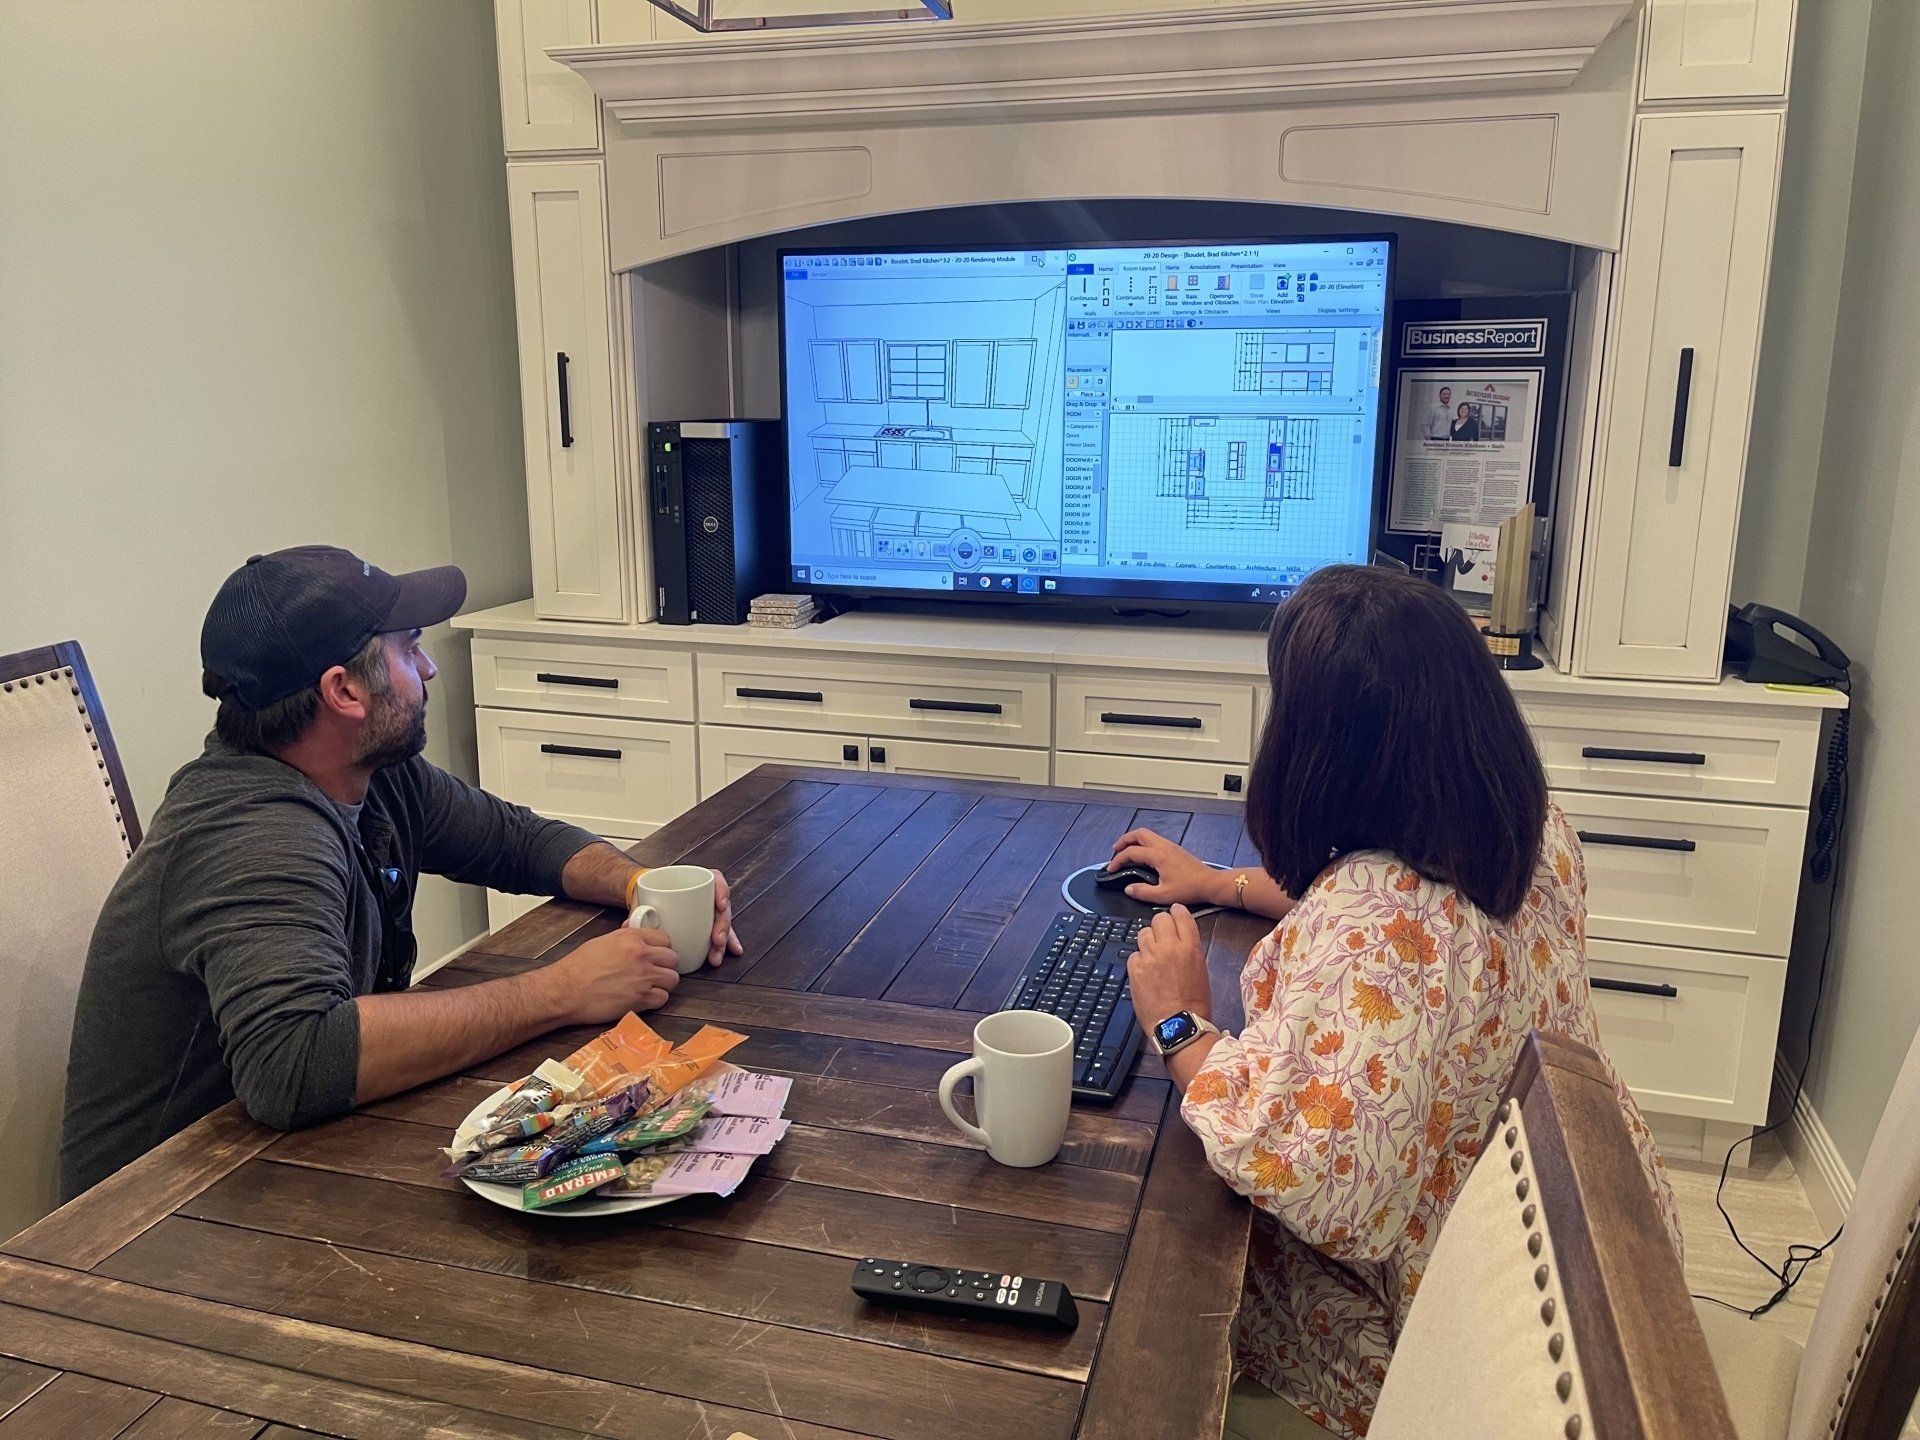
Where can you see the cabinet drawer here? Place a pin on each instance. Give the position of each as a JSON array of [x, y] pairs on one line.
[[1010, 707], [728, 752], [1631, 747], [1007, 763], [612, 776], [503, 909], [1128, 715], [1686, 872], [1138, 775], [583, 679], [1706, 1048]]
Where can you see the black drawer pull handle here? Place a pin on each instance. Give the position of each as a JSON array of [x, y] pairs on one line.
[[1649, 757], [1682, 398], [596, 682], [582, 750], [1636, 842], [1164, 722], [1633, 987], [957, 707], [566, 401], [754, 692]]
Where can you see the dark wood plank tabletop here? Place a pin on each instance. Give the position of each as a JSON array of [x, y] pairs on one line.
[[239, 1282]]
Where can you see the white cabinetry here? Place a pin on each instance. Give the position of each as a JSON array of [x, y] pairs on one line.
[[1717, 49], [543, 105], [576, 514], [1682, 351]]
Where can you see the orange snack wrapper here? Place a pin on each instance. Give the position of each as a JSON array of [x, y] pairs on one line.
[[632, 1050]]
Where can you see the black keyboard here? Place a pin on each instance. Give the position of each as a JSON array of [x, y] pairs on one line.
[[1079, 972]]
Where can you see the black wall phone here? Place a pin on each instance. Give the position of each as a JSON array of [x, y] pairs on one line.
[[1759, 653]]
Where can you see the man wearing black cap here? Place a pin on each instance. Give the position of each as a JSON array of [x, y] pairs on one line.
[[259, 942]]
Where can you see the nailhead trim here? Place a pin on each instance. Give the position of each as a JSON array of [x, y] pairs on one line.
[[99, 759]]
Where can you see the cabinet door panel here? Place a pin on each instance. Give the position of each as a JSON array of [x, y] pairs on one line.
[[1683, 353], [1717, 49], [544, 105], [581, 568]]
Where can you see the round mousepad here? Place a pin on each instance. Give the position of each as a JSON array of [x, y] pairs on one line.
[[1079, 891]]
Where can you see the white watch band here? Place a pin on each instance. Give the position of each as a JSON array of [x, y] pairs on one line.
[[1202, 1026]]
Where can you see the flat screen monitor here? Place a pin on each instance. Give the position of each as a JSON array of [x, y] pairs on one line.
[[1118, 423]]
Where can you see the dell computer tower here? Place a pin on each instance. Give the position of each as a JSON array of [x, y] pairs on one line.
[[717, 496]]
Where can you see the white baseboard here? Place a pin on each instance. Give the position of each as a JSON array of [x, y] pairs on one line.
[[422, 970], [1816, 1159]]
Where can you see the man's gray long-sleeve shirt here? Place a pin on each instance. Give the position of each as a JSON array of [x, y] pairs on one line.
[[228, 955]]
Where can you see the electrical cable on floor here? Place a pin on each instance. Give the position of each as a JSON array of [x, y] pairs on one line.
[[1823, 864]]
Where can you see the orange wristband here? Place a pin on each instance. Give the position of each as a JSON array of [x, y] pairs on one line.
[[632, 881]]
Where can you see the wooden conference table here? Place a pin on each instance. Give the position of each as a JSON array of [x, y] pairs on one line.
[[238, 1282]]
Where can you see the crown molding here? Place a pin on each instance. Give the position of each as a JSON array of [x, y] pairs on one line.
[[1231, 58]]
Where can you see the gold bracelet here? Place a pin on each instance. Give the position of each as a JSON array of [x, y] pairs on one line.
[[632, 881], [1240, 880]]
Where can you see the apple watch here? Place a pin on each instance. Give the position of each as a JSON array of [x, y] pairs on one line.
[[1179, 1030]]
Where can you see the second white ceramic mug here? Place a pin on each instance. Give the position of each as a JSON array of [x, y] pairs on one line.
[[1022, 1069], [679, 900]]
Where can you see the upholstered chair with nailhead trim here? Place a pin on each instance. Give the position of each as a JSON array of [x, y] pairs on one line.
[[1554, 1307], [1857, 1378], [67, 827]]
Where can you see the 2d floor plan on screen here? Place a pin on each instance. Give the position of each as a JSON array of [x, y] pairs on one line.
[[1039, 421]]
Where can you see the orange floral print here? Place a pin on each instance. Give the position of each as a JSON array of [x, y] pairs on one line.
[[1382, 1020], [1374, 1005], [1409, 940], [1324, 1106]]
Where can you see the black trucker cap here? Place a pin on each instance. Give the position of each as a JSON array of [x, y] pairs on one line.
[[281, 621]]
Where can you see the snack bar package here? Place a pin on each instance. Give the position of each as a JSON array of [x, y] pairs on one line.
[[571, 1181], [573, 1126], [633, 1051], [688, 1174], [734, 1135], [648, 1130], [551, 1085], [742, 1092]]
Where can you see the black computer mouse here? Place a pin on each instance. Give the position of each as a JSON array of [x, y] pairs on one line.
[[1127, 875]]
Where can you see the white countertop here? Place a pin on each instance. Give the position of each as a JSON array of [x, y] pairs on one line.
[[1118, 645]]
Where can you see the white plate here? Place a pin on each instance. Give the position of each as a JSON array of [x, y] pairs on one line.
[[594, 1206]]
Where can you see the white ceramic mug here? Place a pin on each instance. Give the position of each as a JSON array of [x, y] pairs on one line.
[[1022, 1069], [679, 900]]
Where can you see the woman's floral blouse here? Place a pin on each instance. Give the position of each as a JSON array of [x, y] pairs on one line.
[[1382, 1018]]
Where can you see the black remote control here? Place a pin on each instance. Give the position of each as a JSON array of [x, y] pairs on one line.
[[966, 1292]]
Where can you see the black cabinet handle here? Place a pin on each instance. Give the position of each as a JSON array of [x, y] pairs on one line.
[[1682, 398], [584, 750], [1231, 784], [876, 754], [1636, 842], [850, 753], [958, 707], [595, 682], [754, 692], [1650, 757], [566, 401], [1633, 987], [1164, 722]]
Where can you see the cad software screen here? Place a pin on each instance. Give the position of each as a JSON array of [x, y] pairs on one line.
[[1196, 422]]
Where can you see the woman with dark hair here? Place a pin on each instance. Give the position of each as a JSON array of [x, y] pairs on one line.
[[1431, 911], [1466, 425]]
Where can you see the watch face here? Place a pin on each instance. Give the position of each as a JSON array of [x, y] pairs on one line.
[[1175, 1028]]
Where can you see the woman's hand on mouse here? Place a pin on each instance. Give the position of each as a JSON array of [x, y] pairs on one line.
[[1168, 973], [1184, 879]]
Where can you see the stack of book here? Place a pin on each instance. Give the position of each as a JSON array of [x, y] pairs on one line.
[[781, 612]]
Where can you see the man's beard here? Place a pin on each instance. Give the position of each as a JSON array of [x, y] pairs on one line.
[[396, 735]]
